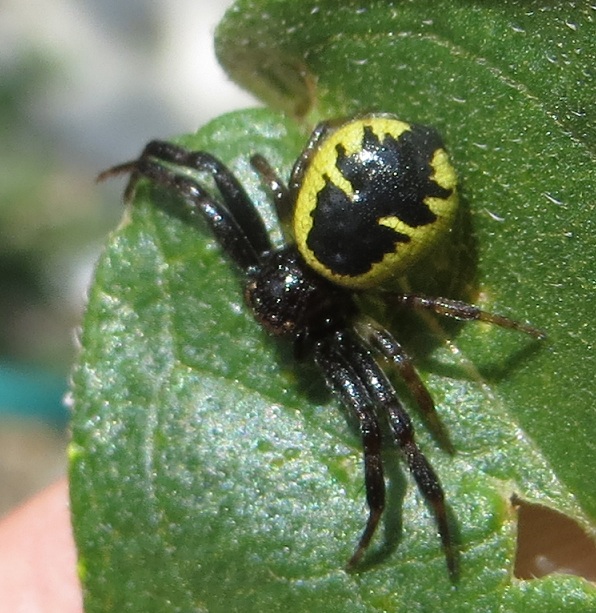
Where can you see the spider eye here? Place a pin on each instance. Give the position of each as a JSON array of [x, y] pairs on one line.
[[373, 196]]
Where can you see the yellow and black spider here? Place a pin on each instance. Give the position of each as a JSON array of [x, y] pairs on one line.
[[366, 199]]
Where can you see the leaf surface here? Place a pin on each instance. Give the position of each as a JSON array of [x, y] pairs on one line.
[[209, 472]]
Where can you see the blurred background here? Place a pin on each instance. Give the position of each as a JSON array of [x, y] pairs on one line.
[[83, 84]]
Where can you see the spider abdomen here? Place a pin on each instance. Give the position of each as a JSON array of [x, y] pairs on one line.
[[373, 195]]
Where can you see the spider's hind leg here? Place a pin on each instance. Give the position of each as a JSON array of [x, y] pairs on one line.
[[456, 309], [279, 190]]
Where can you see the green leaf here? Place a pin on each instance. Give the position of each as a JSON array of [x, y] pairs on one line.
[[210, 473]]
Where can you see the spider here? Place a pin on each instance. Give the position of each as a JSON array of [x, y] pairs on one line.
[[366, 199]]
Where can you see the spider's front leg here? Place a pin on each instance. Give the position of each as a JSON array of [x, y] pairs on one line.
[[233, 219], [381, 340], [352, 372], [344, 381]]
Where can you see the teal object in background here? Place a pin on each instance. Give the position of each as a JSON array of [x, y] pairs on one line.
[[31, 393]]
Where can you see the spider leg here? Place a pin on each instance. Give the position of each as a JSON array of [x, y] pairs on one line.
[[222, 223], [377, 337], [381, 391], [318, 135], [279, 190], [162, 162], [352, 392], [457, 309]]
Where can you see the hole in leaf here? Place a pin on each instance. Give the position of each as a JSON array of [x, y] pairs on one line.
[[551, 542]]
